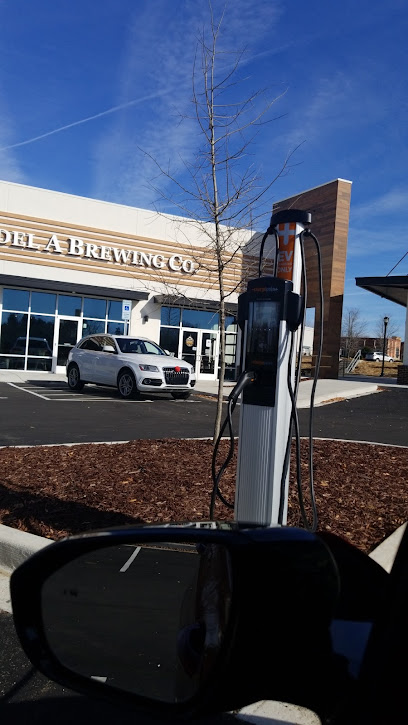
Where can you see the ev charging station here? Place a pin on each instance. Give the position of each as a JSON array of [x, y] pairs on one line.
[[269, 313]]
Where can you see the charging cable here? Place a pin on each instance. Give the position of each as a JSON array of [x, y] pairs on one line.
[[269, 231], [246, 378]]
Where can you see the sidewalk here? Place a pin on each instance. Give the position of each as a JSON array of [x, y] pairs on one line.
[[327, 391]]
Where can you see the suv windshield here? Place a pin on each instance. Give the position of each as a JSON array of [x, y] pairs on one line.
[[140, 347]]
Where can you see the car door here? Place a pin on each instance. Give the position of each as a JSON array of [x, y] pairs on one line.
[[106, 361], [85, 357]]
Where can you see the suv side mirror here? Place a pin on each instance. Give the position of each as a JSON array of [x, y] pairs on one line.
[[108, 348], [174, 618]]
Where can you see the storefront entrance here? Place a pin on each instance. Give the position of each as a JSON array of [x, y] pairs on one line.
[[68, 334], [200, 349]]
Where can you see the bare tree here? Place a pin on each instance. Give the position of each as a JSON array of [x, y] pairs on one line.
[[352, 330], [222, 194]]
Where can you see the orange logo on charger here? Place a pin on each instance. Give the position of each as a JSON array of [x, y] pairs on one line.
[[287, 234]]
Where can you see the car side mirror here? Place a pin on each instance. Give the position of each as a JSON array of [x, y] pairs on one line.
[[108, 348], [175, 618]]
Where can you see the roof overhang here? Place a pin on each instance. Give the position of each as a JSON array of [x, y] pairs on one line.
[[72, 288], [195, 304], [394, 289]]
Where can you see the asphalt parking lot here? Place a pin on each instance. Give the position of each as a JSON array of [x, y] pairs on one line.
[[47, 412], [42, 413]]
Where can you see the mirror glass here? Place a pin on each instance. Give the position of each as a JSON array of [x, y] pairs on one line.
[[146, 619]]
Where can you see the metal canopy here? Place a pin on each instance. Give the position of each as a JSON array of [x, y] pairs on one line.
[[394, 289], [71, 288], [195, 304]]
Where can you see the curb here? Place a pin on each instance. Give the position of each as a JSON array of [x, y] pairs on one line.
[[16, 546], [384, 553]]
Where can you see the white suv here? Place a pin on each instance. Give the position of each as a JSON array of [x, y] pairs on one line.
[[131, 364], [378, 356]]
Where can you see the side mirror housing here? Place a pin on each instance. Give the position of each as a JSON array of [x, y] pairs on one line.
[[174, 618]]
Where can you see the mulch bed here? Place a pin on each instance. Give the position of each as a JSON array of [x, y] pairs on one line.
[[361, 490]]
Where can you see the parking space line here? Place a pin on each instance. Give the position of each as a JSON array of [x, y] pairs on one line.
[[65, 395], [31, 392], [132, 557]]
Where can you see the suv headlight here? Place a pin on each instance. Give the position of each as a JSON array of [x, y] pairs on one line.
[[149, 368]]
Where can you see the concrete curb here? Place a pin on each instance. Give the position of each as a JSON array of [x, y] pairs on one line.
[[384, 553], [16, 546]]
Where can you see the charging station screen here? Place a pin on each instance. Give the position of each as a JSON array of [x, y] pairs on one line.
[[264, 321]]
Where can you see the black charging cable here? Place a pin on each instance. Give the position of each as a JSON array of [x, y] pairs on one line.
[[309, 234], [269, 231], [246, 378]]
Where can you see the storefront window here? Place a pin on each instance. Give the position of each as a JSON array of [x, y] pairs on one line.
[[114, 310], [35, 353], [200, 319], [230, 323], [94, 308], [43, 302], [93, 327], [41, 335], [15, 299], [169, 339], [69, 305], [41, 364], [116, 328], [170, 316], [13, 333], [12, 363]]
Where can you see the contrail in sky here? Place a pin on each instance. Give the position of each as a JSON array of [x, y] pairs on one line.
[[85, 120]]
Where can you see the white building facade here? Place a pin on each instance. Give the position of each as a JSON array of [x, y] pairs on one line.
[[69, 266]]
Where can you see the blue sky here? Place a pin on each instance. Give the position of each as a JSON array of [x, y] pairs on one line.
[[85, 85]]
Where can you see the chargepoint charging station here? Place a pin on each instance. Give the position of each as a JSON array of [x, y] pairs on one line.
[[269, 313]]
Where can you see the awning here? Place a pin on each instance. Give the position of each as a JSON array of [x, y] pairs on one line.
[[394, 289], [72, 288], [195, 304]]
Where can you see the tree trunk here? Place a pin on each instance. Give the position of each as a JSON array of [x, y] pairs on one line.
[[220, 398]]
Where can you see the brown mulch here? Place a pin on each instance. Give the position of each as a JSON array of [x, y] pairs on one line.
[[361, 489]]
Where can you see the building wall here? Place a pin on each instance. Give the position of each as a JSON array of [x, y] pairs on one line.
[[116, 251], [329, 205], [127, 248]]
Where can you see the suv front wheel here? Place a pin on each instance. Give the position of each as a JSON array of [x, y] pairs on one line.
[[127, 385], [74, 378]]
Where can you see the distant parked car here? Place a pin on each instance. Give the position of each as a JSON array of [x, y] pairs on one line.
[[378, 356], [36, 346], [131, 364]]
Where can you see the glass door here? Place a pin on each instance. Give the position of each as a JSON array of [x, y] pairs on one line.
[[189, 349], [200, 349], [68, 334], [208, 362]]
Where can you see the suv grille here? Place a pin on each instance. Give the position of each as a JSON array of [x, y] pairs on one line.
[[176, 378]]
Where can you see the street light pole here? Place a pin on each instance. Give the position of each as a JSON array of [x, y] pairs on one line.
[[386, 321]]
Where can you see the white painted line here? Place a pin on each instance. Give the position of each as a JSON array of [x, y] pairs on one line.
[[19, 387], [131, 559], [98, 678]]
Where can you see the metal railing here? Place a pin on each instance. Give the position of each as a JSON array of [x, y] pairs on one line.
[[352, 364]]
